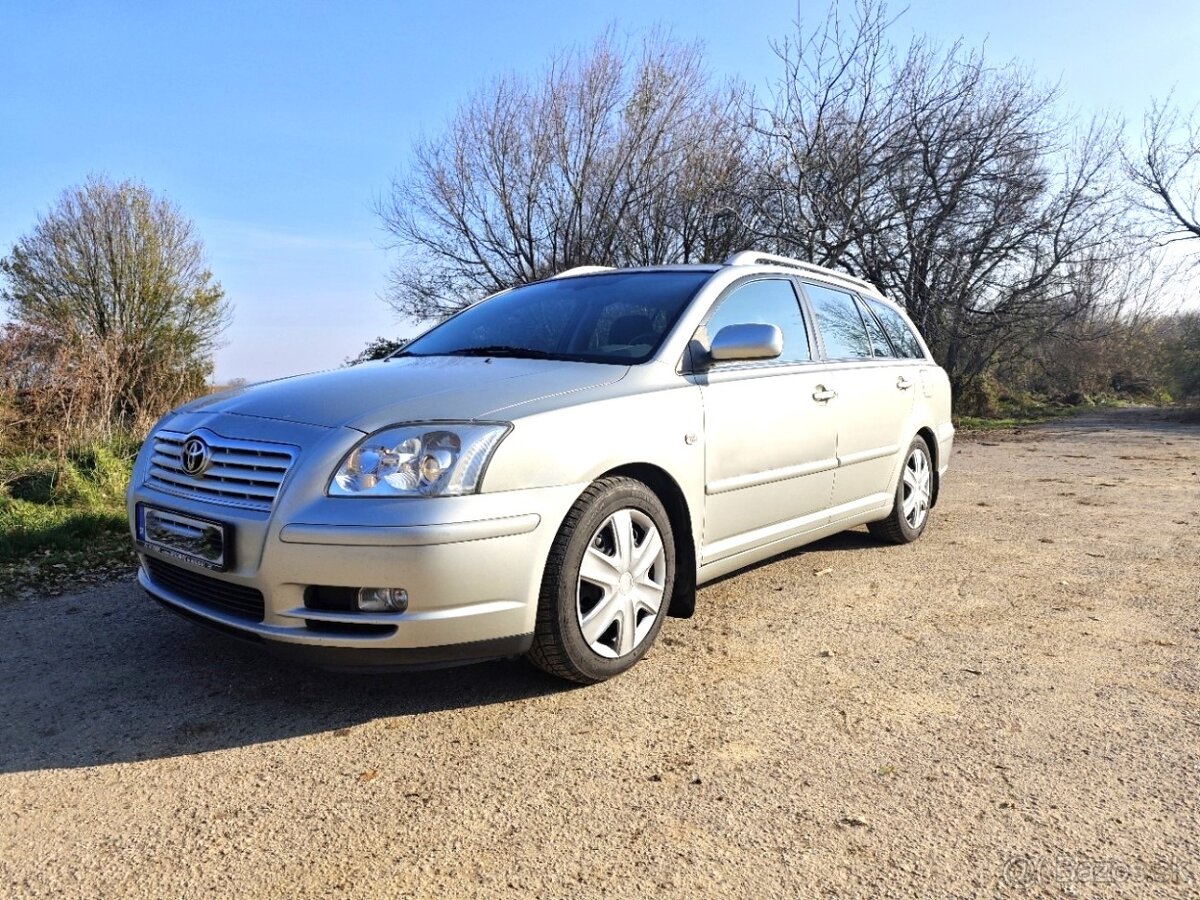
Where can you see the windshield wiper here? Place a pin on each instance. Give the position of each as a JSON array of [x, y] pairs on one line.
[[501, 350]]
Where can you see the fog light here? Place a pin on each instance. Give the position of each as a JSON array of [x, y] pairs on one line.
[[382, 599]]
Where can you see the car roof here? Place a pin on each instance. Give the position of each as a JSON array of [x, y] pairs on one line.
[[749, 259]]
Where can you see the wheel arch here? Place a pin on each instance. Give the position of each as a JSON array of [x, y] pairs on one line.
[[926, 433], [670, 494]]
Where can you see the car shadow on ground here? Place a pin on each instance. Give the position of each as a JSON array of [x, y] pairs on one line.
[[857, 540], [115, 678]]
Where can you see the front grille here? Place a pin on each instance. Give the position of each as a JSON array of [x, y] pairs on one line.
[[242, 473], [232, 599]]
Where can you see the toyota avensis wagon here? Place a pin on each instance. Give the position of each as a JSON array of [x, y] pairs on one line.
[[552, 471]]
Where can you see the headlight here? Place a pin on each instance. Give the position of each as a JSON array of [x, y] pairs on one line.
[[432, 460]]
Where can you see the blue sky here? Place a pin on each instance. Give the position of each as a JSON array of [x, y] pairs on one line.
[[275, 126]]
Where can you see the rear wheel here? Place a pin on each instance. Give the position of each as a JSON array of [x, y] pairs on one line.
[[607, 584], [914, 496]]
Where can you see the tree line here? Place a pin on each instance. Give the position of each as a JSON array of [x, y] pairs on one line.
[[1025, 240], [1010, 228]]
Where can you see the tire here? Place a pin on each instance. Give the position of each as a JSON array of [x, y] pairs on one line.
[[915, 485], [596, 613]]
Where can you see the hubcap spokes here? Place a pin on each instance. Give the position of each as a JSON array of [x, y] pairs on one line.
[[621, 583], [918, 488]]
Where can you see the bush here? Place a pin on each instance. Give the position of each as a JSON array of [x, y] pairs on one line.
[[979, 398], [114, 317], [93, 477], [62, 519], [25, 476]]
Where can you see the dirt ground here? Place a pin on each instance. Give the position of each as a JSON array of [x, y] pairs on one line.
[[1009, 707]]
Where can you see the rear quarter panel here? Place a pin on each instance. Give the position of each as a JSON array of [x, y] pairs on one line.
[[933, 409]]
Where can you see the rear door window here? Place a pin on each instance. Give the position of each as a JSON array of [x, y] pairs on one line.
[[840, 323], [903, 339], [880, 345]]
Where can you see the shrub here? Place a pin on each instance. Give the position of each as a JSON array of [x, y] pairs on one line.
[[979, 397]]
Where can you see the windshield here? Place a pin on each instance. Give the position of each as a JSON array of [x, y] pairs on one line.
[[619, 317]]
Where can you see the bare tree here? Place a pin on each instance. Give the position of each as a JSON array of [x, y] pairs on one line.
[[957, 187], [962, 189], [1111, 348], [1168, 170], [376, 348], [114, 305], [616, 156]]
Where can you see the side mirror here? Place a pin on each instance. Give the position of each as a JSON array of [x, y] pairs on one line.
[[744, 342]]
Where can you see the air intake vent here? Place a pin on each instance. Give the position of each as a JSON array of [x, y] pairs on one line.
[[223, 596]]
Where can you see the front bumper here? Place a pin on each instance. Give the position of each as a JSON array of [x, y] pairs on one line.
[[472, 567], [358, 658]]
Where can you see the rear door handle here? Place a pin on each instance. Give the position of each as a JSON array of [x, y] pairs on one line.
[[821, 395], [903, 383]]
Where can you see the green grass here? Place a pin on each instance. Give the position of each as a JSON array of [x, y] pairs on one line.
[[1025, 410], [62, 521], [975, 423], [1035, 411]]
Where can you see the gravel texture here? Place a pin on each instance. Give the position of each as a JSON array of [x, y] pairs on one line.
[[1009, 707]]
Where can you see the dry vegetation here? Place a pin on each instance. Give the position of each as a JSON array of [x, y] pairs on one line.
[[115, 317]]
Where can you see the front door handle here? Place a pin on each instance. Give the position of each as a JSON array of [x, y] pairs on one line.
[[821, 395], [903, 383]]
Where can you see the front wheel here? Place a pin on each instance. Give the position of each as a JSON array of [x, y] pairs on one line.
[[914, 496], [607, 583]]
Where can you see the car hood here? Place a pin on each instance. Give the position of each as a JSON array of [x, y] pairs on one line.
[[408, 389]]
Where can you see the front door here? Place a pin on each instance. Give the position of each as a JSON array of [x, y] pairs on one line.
[[770, 437]]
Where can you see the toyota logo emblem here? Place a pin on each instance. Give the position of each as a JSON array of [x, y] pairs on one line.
[[197, 456]]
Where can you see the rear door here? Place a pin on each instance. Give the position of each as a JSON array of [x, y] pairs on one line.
[[770, 446], [873, 402]]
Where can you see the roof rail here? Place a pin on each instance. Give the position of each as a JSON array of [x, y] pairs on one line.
[[753, 257], [582, 270]]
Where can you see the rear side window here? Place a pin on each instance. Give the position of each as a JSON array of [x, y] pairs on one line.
[[841, 326], [880, 345], [903, 339], [768, 301]]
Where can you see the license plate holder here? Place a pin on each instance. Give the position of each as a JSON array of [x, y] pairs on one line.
[[201, 542]]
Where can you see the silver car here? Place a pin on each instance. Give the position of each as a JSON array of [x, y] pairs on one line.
[[550, 472]]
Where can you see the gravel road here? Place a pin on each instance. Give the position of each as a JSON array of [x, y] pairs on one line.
[[1010, 707]]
